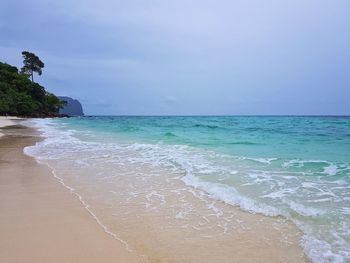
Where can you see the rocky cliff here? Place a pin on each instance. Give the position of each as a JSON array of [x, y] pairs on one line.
[[73, 107]]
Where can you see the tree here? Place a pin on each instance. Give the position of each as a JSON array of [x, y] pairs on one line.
[[32, 64], [20, 96]]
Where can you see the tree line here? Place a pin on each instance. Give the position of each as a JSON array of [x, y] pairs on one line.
[[20, 95]]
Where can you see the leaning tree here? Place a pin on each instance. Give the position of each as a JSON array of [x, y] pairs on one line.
[[32, 64]]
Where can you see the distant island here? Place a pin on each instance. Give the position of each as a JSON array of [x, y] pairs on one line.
[[21, 96], [72, 107]]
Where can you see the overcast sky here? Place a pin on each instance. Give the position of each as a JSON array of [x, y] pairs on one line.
[[187, 56]]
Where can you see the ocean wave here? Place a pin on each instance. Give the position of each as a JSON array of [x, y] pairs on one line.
[[243, 143], [260, 160], [170, 134], [229, 195], [208, 126], [301, 163], [325, 167]]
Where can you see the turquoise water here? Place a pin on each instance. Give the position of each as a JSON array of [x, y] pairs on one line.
[[297, 167], [283, 137]]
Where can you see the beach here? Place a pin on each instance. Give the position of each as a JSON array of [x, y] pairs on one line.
[[6, 121], [174, 189], [50, 218], [40, 220], [175, 131]]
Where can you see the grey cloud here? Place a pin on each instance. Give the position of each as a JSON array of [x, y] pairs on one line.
[[205, 57]]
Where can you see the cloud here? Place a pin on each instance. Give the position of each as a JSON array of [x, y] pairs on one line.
[[170, 99], [137, 55]]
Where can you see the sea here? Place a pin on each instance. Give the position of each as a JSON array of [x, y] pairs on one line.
[[294, 167]]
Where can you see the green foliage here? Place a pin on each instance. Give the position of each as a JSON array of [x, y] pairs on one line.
[[20, 96], [32, 63]]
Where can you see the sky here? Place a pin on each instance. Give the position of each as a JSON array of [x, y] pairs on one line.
[[198, 57]]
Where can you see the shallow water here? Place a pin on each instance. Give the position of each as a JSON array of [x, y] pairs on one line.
[[296, 167]]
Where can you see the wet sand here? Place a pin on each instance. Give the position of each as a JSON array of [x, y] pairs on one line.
[[170, 222], [7, 121], [40, 220]]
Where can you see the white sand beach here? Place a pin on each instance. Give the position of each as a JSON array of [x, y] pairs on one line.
[[40, 220]]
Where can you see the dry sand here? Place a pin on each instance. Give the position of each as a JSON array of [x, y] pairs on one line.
[[40, 220]]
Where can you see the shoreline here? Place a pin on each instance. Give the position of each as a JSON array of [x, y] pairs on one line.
[[158, 215], [7, 121], [40, 221], [246, 245]]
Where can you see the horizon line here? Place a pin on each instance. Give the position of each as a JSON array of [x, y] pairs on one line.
[[217, 115]]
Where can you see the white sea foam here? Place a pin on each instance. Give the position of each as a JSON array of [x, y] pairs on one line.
[[229, 195], [300, 163], [261, 160], [305, 211], [279, 194], [179, 215], [331, 169]]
